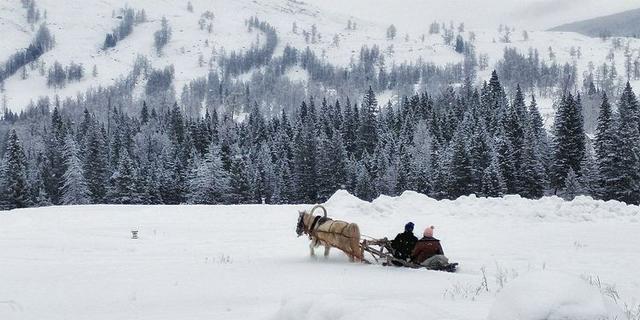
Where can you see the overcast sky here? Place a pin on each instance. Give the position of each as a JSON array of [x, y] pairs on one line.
[[530, 14]]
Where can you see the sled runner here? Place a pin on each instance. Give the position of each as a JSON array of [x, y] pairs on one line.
[[382, 252]]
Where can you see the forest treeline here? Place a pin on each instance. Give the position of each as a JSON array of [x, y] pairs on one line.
[[453, 143]]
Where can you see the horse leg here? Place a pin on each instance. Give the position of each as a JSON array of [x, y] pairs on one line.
[[357, 251], [326, 251], [311, 246]]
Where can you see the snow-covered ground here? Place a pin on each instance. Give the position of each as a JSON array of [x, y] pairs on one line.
[[245, 262], [80, 28]]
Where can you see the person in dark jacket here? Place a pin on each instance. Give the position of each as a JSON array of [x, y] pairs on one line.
[[428, 252], [404, 242]]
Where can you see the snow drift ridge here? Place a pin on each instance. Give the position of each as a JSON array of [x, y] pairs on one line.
[[552, 208]]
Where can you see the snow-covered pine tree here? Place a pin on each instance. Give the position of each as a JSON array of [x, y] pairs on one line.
[[304, 157], [239, 181], [504, 152], [96, 163], [16, 189], [176, 125], [282, 190], [261, 175], [209, 183], [81, 132], [515, 124], [205, 133], [41, 198], [493, 104], [336, 117], [74, 189], [200, 143], [420, 150], [604, 145], [144, 113], [55, 168], [569, 140], [402, 167], [367, 136], [492, 184], [325, 125], [35, 179], [352, 173], [391, 32], [312, 116], [380, 163], [460, 174], [539, 134], [364, 184], [331, 165], [213, 123], [589, 176], [178, 163], [3, 184], [441, 159], [479, 154], [459, 46], [626, 179], [351, 135], [256, 126], [123, 182], [531, 174], [338, 161], [572, 186], [150, 182]]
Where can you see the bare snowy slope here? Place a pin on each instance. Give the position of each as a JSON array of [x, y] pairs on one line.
[[622, 24], [80, 28]]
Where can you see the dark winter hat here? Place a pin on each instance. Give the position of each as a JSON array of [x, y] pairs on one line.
[[408, 227]]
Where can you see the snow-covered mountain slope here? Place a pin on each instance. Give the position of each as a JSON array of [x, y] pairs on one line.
[[530, 14], [80, 28], [622, 24], [245, 262]]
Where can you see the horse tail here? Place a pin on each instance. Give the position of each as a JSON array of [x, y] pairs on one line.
[[356, 249]]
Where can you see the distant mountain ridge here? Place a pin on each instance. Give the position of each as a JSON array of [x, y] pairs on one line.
[[623, 24]]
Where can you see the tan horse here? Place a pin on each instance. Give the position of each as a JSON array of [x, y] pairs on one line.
[[330, 233]]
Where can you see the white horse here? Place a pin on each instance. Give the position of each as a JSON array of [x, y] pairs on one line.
[[330, 233]]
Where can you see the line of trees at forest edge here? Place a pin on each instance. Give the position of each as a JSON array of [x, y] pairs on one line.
[[470, 140]]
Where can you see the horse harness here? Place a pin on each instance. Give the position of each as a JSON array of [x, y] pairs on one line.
[[319, 220]]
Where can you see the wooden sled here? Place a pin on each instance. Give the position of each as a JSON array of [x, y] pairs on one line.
[[382, 253]]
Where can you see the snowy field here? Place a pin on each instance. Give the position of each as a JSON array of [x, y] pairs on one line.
[[245, 262]]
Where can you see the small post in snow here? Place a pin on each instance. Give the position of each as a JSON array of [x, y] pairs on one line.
[[134, 234]]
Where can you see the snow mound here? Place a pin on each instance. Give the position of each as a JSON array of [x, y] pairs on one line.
[[546, 209], [335, 307], [552, 296], [347, 202]]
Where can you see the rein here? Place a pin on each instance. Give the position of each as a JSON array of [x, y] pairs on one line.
[[313, 224]]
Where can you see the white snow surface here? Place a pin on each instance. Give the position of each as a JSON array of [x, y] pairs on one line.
[[552, 296], [245, 262]]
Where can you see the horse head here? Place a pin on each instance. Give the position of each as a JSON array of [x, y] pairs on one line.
[[300, 225]]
